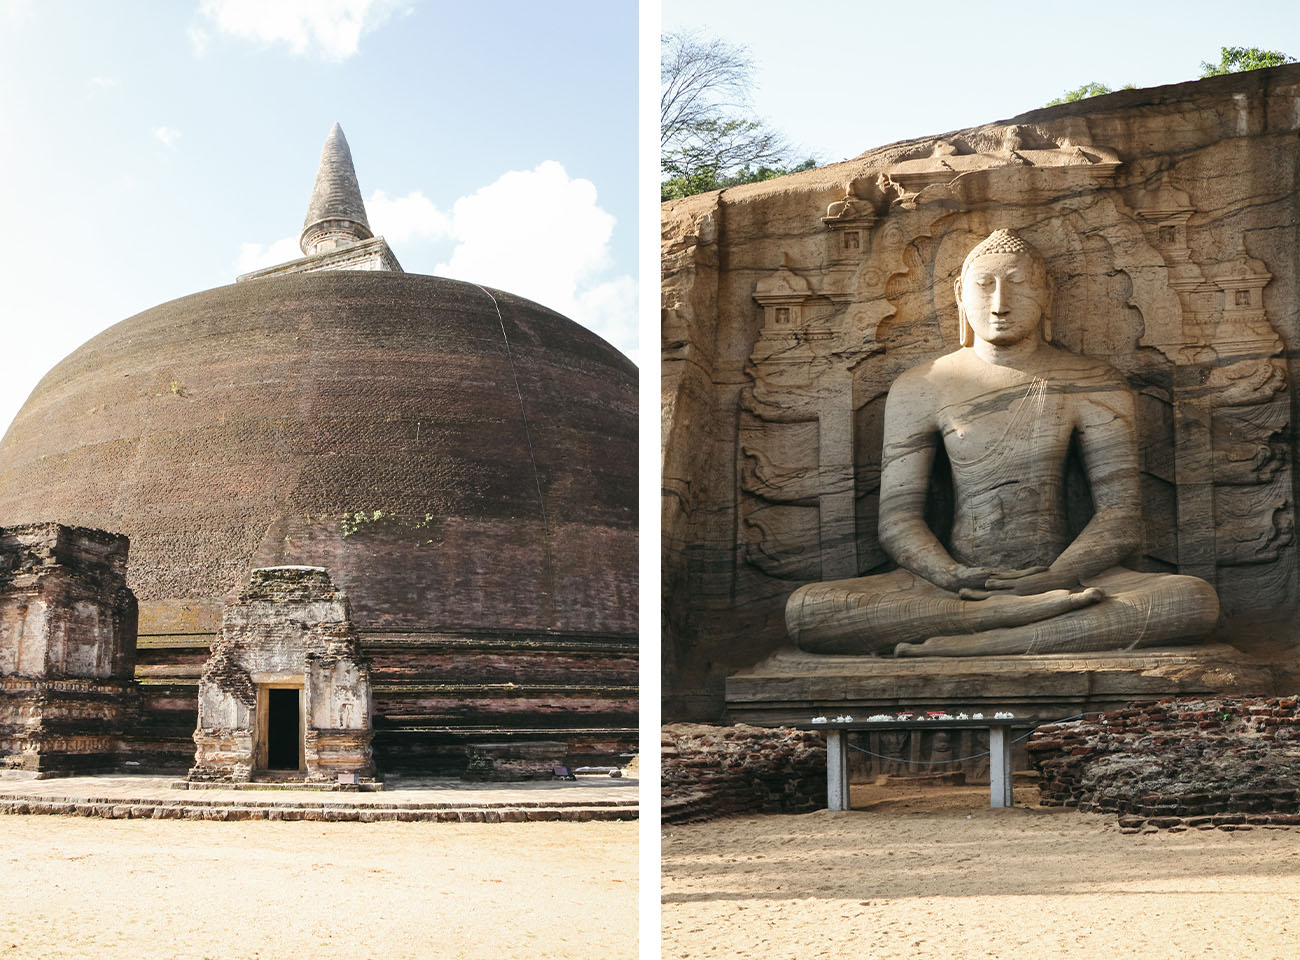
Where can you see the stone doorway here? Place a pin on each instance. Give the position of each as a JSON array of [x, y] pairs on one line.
[[286, 691], [281, 731]]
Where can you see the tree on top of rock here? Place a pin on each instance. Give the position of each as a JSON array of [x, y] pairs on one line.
[[707, 135], [1084, 92], [1239, 59]]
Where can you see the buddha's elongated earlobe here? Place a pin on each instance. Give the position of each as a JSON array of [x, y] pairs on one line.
[[965, 335]]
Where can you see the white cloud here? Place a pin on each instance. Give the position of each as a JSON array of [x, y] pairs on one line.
[[103, 82], [542, 235], [254, 256], [331, 29], [609, 309], [199, 39], [16, 10], [167, 135], [400, 219]]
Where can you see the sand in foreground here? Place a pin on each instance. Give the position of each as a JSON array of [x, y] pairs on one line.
[[143, 889], [940, 875]]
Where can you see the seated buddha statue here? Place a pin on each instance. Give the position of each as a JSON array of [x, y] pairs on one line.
[[1011, 578]]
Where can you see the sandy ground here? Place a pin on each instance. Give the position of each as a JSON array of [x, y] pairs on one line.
[[143, 889], [938, 874]]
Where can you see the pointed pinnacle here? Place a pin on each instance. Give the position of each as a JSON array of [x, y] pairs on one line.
[[336, 216]]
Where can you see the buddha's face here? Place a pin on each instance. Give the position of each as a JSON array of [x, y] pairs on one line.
[[1004, 297]]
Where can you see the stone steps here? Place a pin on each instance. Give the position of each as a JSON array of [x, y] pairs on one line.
[[437, 813]]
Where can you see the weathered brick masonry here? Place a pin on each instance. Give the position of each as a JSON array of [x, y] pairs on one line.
[[1227, 763], [711, 771], [468, 477]]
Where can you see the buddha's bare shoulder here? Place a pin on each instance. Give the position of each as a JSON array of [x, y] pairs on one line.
[[922, 381], [1062, 363]]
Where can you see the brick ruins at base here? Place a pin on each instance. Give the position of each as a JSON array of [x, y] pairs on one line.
[[1178, 763], [288, 632], [710, 772], [67, 649]]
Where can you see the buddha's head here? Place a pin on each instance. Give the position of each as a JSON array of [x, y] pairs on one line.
[[1003, 293]]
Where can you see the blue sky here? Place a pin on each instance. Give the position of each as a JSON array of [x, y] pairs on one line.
[[839, 77], [154, 149]]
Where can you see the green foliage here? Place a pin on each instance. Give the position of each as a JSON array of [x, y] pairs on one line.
[[1086, 91], [1231, 60], [704, 179], [352, 522], [1238, 59], [708, 136]]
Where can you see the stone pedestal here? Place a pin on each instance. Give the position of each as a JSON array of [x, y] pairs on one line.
[[791, 687], [67, 650]]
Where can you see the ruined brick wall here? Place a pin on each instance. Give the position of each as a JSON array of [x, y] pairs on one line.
[[1230, 763], [713, 771], [504, 762]]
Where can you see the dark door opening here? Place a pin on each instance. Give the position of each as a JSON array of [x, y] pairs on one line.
[[282, 730]]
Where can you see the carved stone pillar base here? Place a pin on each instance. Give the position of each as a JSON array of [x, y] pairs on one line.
[[64, 727], [334, 752], [222, 755]]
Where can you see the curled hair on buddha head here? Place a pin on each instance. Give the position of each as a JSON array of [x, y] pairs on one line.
[[1003, 241]]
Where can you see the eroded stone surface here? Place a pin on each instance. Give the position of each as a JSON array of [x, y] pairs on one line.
[[288, 629], [67, 649], [792, 307]]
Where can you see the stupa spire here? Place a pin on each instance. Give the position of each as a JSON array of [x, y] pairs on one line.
[[336, 234], [336, 216]]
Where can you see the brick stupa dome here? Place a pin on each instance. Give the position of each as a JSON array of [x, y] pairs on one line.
[[462, 461]]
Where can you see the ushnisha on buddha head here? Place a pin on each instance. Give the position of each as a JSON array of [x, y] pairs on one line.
[[1003, 292]]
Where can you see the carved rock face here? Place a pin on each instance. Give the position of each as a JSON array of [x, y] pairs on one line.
[[1169, 264]]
